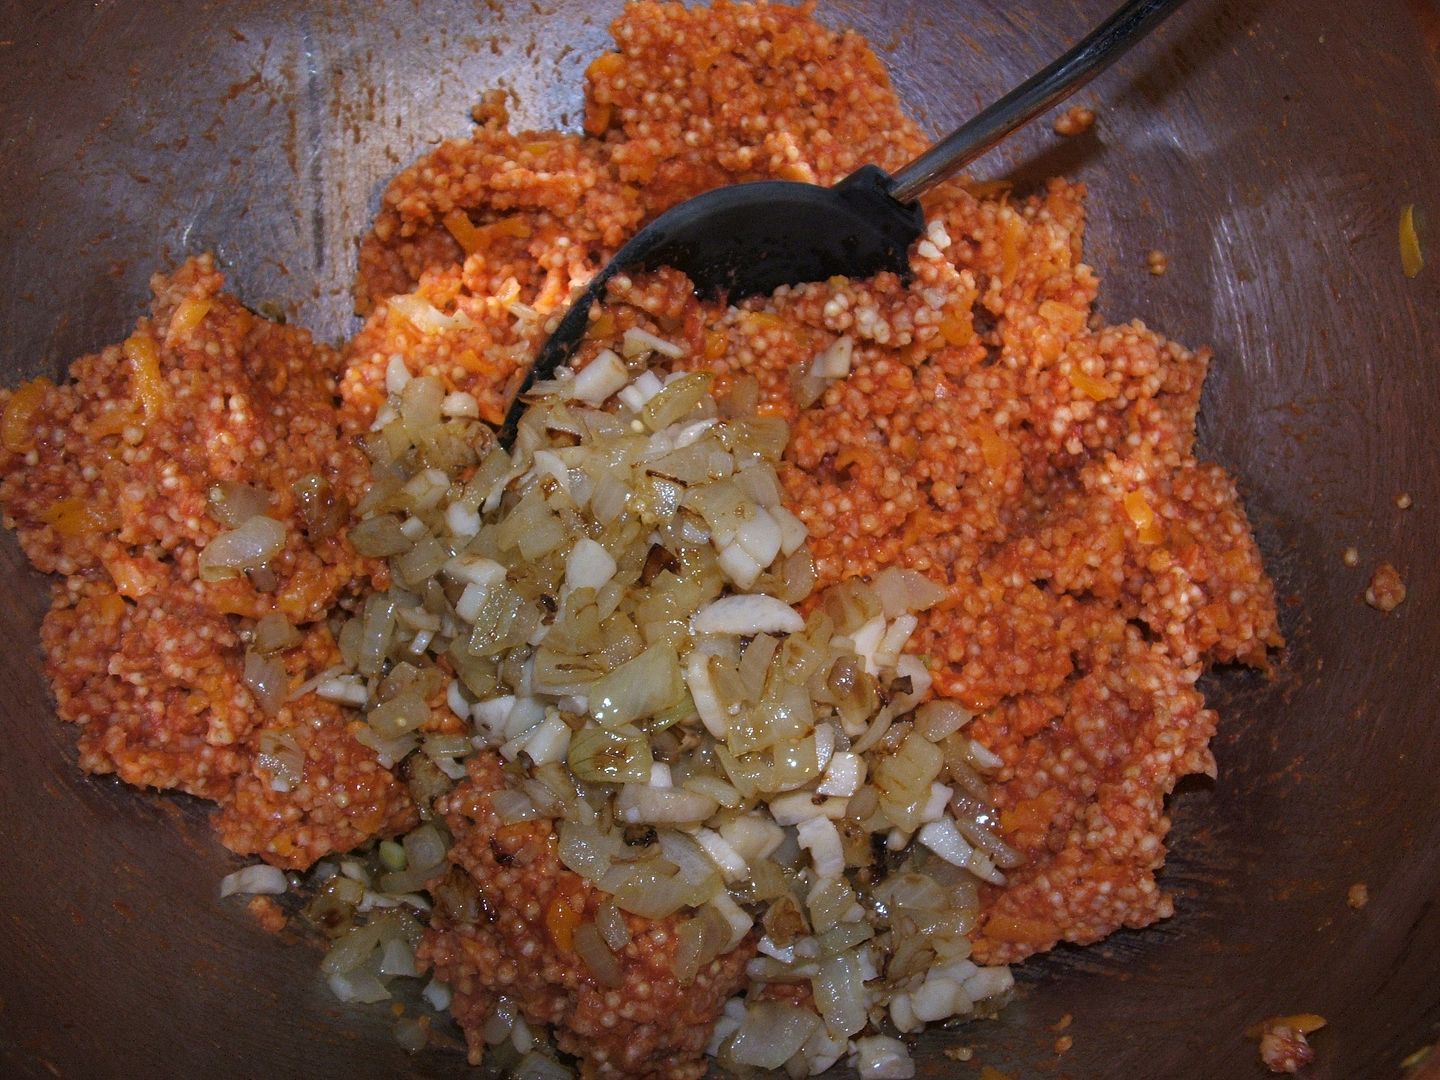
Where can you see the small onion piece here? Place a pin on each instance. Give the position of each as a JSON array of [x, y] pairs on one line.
[[358, 986], [257, 880], [425, 846], [591, 946], [266, 678], [233, 504], [379, 537], [600, 378], [771, 1034], [752, 614], [612, 926], [273, 633], [247, 547], [641, 803]]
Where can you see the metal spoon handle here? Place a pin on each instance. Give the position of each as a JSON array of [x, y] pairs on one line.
[[1097, 51]]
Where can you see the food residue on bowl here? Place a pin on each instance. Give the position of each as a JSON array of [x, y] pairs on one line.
[[1386, 590], [1076, 120], [1284, 1047]]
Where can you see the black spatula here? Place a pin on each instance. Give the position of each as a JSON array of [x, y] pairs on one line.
[[752, 238]]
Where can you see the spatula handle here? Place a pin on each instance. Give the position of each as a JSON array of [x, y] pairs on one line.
[[1097, 51]]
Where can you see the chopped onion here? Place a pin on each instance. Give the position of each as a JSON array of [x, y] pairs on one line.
[[819, 836], [343, 690], [879, 1057], [426, 317], [588, 565], [425, 847], [902, 590], [397, 958], [358, 986], [753, 614], [513, 806], [640, 803], [266, 678], [437, 994], [273, 633], [699, 940], [281, 756], [641, 687], [592, 948], [248, 547], [637, 342], [401, 715], [647, 892], [600, 378], [937, 720], [257, 880], [609, 756], [233, 504], [839, 989], [379, 537], [771, 1034], [612, 926]]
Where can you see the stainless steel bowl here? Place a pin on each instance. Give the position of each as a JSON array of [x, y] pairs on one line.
[[1266, 146]]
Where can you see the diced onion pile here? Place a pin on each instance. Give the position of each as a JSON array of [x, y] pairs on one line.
[[617, 601]]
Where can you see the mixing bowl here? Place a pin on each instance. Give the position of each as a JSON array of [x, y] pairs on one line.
[[1267, 147]]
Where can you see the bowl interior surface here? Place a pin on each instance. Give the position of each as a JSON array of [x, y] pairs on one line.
[[1266, 147]]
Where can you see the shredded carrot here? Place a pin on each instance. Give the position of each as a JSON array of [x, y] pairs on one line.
[[75, 517], [459, 225], [1411, 259], [853, 455], [604, 64], [112, 422], [1150, 530], [995, 450], [515, 225], [473, 238], [957, 328], [147, 384], [716, 342], [509, 292], [1017, 930], [492, 412], [763, 320], [597, 118], [561, 919], [599, 114], [17, 426], [189, 314], [107, 607], [1093, 388], [130, 580], [1063, 316], [1030, 815]]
